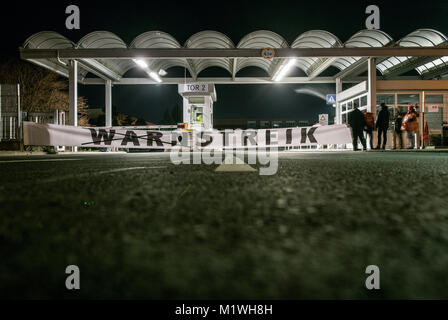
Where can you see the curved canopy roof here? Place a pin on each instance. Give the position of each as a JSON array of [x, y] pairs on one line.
[[115, 68], [258, 40], [418, 38], [362, 39], [314, 39]]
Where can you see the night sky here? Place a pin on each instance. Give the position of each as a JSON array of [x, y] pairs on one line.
[[182, 19]]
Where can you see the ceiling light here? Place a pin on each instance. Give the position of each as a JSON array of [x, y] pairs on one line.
[[141, 63], [284, 70]]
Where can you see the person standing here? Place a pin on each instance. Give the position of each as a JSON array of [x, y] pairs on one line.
[[382, 124], [370, 126], [398, 119], [410, 125], [357, 123]]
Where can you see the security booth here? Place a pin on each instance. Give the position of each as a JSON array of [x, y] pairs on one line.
[[198, 105]]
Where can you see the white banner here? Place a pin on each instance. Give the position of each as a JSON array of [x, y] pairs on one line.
[[131, 137]]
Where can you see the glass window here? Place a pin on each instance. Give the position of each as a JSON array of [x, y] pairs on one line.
[[434, 98], [356, 103], [344, 118], [385, 98], [197, 115], [350, 105], [277, 124], [198, 100], [251, 124], [344, 107], [290, 123], [412, 98], [363, 101], [265, 124]]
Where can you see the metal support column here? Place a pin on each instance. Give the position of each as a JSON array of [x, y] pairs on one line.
[[371, 103], [73, 92], [338, 117], [73, 95], [108, 103]]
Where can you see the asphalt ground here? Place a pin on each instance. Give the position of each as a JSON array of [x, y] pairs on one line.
[[139, 226]]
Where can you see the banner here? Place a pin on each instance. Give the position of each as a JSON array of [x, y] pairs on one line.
[[140, 137]]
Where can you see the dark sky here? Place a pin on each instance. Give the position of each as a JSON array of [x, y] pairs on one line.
[[233, 18]]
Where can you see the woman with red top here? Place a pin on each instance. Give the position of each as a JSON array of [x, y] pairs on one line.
[[410, 125]]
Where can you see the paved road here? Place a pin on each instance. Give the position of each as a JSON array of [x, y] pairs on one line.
[[140, 227]]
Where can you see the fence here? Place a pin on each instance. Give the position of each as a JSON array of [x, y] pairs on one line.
[[11, 123]]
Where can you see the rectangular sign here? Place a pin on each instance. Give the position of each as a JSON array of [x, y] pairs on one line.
[[129, 137], [197, 87], [323, 119], [432, 109]]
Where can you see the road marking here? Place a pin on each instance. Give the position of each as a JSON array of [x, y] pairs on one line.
[[234, 164], [96, 173], [12, 161], [126, 169]]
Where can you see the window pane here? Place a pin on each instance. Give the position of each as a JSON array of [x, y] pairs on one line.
[[277, 124], [344, 107], [408, 98], [251, 124], [356, 103], [363, 101], [265, 124], [385, 98], [199, 100], [434, 98]]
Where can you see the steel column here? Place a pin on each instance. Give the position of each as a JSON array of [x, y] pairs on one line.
[[108, 103]]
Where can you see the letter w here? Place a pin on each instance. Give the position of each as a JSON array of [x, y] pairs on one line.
[[102, 134]]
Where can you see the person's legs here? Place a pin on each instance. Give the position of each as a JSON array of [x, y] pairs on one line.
[[378, 145], [400, 139], [394, 140], [410, 136], [355, 135], [370, 137], [384, 138], [363, 141]]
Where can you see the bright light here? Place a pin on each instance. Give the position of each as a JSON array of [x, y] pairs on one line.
[[141, 63], [284, 70], [162, 73], [155, 76]]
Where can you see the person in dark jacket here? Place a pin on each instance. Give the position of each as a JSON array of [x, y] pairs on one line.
[[398, 119], [382, 124], [357, 122]]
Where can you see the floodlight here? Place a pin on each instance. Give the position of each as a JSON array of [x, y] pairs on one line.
[[141, 63], [285, 69]]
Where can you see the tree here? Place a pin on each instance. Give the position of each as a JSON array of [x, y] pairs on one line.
[[40, 90]]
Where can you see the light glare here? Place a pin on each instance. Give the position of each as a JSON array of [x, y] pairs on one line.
[[141, 63], [285, 69]]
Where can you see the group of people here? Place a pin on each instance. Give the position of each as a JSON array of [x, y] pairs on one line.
[[364, 121]]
